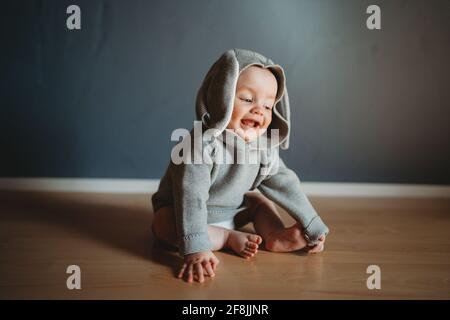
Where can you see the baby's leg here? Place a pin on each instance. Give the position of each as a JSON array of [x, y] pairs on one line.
[[244, 244], [268, 224]]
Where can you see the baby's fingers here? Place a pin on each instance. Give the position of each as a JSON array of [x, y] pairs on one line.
[[180, 274], [199, 272], [317, 248], [209, 269], [214, 262], [188, 273]]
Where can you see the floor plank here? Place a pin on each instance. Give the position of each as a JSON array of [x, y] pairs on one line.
[[108, 236]]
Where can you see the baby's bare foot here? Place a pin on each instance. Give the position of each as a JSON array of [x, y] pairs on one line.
[[244, 244], [286, 240]]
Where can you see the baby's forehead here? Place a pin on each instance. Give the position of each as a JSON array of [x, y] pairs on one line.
[[255, 77], [257, 71]]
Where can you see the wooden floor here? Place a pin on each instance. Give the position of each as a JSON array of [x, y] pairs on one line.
[[108, 236]]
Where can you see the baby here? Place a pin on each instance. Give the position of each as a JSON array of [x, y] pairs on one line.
[[199, 206]]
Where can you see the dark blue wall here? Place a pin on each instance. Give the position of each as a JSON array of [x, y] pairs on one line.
[[368, 106]]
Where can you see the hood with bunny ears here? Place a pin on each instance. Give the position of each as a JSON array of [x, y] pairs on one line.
[[215, 98]]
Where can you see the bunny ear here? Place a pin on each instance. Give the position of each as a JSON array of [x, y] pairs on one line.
[[215, 97], [281, 110], [282, 121]]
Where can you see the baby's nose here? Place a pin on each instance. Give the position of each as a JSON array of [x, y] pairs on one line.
[[257, 110]]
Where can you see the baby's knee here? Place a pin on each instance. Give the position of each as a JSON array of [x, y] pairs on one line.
[[257, 201]]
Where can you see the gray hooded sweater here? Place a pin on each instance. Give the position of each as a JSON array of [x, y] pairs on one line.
[[213, 190]]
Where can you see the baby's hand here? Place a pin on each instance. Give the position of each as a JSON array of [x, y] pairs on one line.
[[318, 247], [196, 265]]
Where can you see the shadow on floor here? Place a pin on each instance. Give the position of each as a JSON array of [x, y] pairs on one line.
[[119, 226]]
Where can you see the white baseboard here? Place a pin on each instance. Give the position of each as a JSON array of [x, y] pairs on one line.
[[150, 185], [376, 190], [80, 185]]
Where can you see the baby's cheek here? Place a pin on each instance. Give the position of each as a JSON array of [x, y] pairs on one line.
[[232, 122]]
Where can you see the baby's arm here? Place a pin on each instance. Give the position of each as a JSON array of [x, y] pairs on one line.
[[191, 183], [283, 187]]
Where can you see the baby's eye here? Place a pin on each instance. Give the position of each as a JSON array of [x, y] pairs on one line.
[[269, 107], [247, 100]]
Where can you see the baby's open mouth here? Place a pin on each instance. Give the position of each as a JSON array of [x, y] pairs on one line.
[[250, 123]]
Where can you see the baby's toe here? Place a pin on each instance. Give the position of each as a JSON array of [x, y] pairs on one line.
[[255, 238], [252, 250], [248, 253], [244, 254], [252, 245]]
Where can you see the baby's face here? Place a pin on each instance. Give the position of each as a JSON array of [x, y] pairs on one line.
[[256, 91]]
